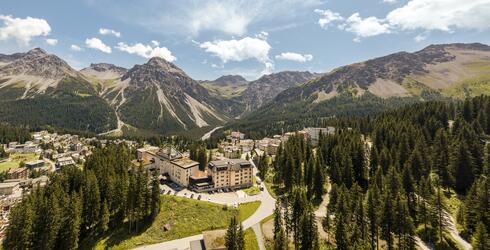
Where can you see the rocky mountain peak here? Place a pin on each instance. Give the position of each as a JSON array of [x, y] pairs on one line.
[[37, 62], [37, 51], [164, 65], [230, 80], [104, 71]]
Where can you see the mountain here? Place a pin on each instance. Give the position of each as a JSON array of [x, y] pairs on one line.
[[230, 80], [158, 97], [228, 86], [40, 89], [264, 89], [435, 72]]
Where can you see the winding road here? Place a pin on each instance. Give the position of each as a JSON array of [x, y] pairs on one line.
[[208, 134]]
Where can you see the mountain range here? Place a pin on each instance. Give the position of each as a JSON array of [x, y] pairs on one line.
[[434, 73], [40, 89]]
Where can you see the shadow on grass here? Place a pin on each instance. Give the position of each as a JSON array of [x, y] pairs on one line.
[[115, 235]]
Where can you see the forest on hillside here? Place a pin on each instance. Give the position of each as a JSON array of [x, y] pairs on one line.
[[392, 179]]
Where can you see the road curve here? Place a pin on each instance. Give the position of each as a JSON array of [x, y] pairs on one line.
[[208, 134]]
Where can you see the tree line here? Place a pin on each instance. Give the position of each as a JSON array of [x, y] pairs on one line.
[[80, 204]]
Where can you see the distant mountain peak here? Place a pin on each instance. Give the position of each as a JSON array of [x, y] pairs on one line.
[[228, 78], [104, 71], [37, 51]]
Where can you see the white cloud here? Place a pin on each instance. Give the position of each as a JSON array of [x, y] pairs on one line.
[[225, 16], [147, 51], [416, 15], [51, 41], [327, 17], [370, 26], [95, 43], [23, 30], [155, 43], [75, 47], [443, 15], [420, 37], [291, 56], [104, 31], [263, 35], [241, 50], [390, 1], [192, 17]]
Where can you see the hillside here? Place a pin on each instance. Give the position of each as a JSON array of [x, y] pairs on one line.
[[436, 72], [226, 86], [40, 89]]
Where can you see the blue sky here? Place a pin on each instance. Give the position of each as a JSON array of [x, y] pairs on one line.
[[210, 38]]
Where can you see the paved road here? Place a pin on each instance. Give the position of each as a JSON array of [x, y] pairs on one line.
[[180, 244], [208, 134], [260, 238]]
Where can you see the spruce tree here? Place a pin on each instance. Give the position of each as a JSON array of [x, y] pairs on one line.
[[481, 238]]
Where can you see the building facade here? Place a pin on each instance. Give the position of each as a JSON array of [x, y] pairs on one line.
[[231, 173]]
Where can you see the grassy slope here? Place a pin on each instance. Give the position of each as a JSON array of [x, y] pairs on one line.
[[186, 217], [251, 240], [224, 91], [15, 160]]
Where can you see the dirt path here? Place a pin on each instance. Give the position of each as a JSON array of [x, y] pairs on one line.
[[451, 228]]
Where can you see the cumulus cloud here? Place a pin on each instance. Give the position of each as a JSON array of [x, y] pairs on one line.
[[420, 37], [104, 31], [51, 41], [224, 16], [155, 43], [147, 51], [23, 30], [291, 56], [415, 15], [443, 15], [328, 17], [367, 27], [389, 1], [75, 47], [95, 43], [241, 50]]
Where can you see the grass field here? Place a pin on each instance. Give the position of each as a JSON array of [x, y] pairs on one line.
[[245, 210], [184, 217], [16, 159], [253, 190], [251, 240]]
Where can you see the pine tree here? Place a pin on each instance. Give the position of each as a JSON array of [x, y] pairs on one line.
[[481, 239], [462, 164], [372, 214], [319, 181], [155, 195], [441, 158], [234, 239], [280, 240], [387, 222], [105, 218]]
